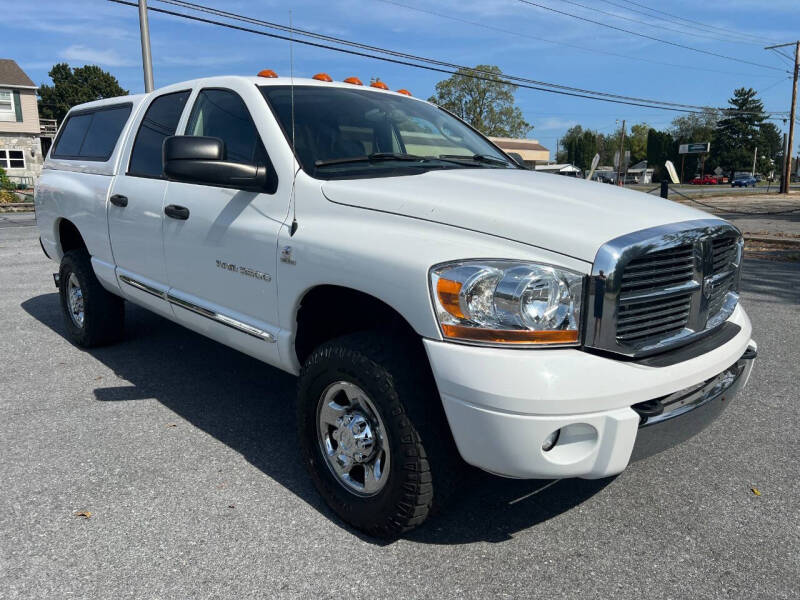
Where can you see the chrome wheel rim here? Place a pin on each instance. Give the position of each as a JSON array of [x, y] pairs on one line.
[[352, 439], [75, 301]]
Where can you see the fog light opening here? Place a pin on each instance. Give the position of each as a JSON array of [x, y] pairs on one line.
[[551, 440]]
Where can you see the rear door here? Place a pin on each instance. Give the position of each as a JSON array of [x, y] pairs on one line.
[[135, 211], [220, 243]]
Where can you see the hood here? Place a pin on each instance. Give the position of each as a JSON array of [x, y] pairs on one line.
[[561, 214]]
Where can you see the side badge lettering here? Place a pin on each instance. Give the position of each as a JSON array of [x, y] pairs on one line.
[[246, 271]]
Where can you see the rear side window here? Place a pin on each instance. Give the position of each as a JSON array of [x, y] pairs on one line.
[[92, 134], [160, 121]]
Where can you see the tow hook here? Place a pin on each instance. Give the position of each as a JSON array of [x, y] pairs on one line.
[[57, 280]]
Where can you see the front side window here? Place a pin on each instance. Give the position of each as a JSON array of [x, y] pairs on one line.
[[7, 112], [340, 132], [223, 114], [160, 121], [12, 159], [92, 134]]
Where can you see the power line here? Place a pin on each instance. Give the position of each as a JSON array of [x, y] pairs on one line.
[[649, 37], [440, 63], [687, 22], [661, 12], [560, 43], [471, 73], [645, 23]]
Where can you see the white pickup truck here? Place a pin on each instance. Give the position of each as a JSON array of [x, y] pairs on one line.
[[435, 299]]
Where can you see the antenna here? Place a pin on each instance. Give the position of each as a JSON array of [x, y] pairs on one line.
[[293, 229]]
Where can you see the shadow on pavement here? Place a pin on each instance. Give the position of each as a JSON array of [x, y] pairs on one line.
[[777, 282], [250, 407]]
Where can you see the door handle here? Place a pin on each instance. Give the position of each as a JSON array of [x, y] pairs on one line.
[[176, 212], [119, 200]]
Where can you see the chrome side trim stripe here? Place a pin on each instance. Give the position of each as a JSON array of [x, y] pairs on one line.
[[209, 314], [143, 287]]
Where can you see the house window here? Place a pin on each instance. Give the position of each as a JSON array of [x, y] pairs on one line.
[[7, 112], [12, 159]]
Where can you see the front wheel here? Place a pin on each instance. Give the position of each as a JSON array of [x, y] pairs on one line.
[[92, 315], [372, 432]]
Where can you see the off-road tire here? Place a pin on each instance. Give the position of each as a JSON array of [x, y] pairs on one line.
[[396, 376], [104, 313]]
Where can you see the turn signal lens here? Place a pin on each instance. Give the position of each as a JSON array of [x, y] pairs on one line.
[[379, 84], [353, 80], [267, 73], [510, 337], [448, 292], [322, 77], [405, 92], [507, 302]]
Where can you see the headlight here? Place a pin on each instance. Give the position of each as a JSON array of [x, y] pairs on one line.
[[507, 302]]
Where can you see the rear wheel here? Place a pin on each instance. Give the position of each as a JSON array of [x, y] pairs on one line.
[[92, 315], [372, 432]]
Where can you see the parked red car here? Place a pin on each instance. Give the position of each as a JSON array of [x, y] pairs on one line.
[[704, 180]]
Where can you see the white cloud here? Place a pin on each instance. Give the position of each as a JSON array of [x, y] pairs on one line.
[[107, 57], [551, 123]]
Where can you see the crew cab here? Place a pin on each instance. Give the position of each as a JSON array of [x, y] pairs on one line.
[[438, 303]]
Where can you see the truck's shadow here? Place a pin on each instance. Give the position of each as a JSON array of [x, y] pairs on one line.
[[249, 406]]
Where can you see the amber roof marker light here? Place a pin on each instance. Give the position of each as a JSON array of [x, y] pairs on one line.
[[322, 77], [405, 92], [379, 84], [353, 81], [267, 73]]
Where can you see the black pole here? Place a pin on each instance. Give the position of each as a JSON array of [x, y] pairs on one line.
[[665, 189]]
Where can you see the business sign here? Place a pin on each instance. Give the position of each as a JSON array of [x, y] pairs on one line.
[[694, 148]]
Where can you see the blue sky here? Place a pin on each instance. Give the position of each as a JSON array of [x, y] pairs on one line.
[[521, 39]]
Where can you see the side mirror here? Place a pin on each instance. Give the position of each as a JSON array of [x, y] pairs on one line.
[[198, 159]]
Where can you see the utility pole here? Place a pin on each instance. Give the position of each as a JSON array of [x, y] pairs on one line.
[[147, 59], [755, 156], [787, 169], [621, 152], [783, 165]]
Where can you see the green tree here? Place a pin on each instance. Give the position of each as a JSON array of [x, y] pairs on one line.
[[75, 86], [739, 131], [486, 103], [636, 142], [660, 149], [770, 149]]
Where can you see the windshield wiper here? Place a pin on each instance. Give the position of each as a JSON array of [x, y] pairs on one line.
[[482, 158], [374, 157]]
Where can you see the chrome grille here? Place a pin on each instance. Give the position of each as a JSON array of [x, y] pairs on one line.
[[656, 288], [642, 316]]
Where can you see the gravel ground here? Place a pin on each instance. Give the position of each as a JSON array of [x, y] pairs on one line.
[[184, 452]]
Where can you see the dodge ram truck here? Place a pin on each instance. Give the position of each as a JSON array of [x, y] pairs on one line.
[[439, 303]]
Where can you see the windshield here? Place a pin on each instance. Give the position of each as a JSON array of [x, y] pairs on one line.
[[344, 133]]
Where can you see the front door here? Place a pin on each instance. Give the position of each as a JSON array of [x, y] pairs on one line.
[[135, 210], [220, 244]]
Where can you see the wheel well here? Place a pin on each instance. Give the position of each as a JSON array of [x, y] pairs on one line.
[[330, 311], [69, 237]]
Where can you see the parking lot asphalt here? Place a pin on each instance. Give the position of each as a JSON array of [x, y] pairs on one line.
[[184, 452]]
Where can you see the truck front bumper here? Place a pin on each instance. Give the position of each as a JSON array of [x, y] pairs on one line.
[[502, 404]]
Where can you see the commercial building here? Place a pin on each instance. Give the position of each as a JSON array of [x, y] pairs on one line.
[[531, 151]]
